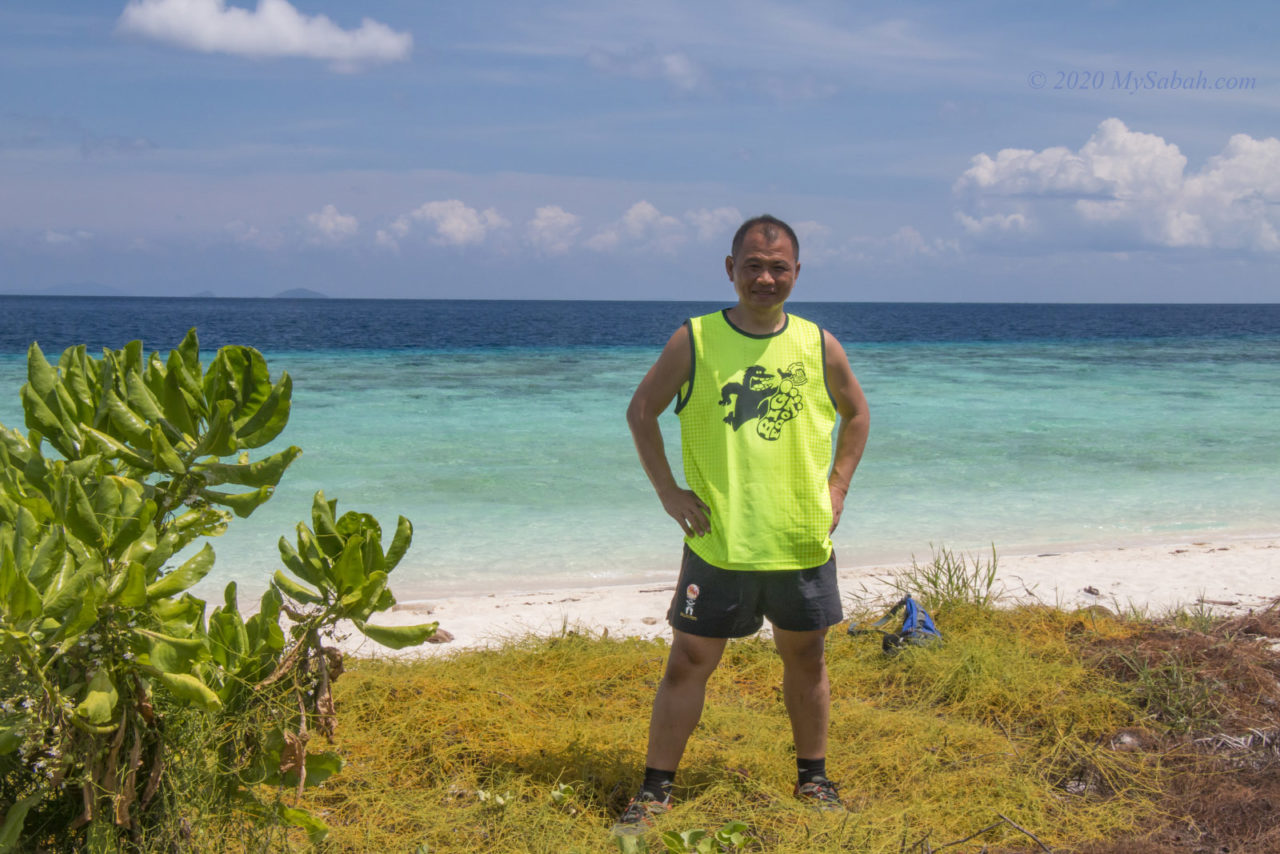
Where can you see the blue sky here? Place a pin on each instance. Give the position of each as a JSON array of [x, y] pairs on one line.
[[924, 151]]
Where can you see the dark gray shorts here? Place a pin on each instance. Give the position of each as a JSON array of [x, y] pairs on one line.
[[729, 603]]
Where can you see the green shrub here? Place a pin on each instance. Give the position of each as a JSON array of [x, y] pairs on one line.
[[122, 703]]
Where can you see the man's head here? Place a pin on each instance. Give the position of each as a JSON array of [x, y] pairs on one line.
[[764, 263], [772, 227]]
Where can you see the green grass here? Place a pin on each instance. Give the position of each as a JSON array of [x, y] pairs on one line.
[[1002, 733], [933, 744]]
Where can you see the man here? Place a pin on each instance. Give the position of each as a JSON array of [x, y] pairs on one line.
[[759, 392]]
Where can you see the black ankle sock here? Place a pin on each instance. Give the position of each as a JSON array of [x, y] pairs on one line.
[[658, 783], [808, 770]]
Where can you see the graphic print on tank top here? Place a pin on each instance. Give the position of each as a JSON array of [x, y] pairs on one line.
[[772, 398]]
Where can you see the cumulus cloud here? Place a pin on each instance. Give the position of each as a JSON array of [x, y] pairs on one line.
[[63, 238], [250, 235], [1132, 185], [452, 222], [553, 229], [274, 28], [674, 67], [717, 224], [641, 224], [332, 226]]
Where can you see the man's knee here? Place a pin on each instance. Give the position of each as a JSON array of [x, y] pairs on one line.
[[693, 657], [802, 652]]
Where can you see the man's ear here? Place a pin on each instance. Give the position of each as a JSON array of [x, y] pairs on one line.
[[728, 266]]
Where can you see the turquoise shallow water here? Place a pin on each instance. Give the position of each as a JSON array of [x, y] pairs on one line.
[[517, 469]]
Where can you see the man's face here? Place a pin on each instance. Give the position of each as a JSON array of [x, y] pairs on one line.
[[765, 270]]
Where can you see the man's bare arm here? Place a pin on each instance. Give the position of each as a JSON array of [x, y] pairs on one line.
[[654, 394], [855, 422]]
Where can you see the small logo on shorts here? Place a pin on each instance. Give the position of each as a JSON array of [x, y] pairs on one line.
[[690, 599]]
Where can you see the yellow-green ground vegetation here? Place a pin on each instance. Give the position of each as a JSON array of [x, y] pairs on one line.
[[1030, 728]]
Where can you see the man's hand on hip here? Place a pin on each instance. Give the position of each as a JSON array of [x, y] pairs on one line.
[[688, 509], [837, 506]]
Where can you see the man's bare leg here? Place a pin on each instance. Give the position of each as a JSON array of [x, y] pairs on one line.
[[677, 707], [805, 689]]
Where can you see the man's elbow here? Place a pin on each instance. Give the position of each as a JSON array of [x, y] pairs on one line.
[[637, 414]]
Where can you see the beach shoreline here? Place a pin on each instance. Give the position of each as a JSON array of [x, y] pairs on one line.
[[1225, 575]]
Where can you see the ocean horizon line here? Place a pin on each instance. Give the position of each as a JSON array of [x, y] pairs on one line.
[[577, 300]]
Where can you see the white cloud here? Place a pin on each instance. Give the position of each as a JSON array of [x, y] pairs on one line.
[[454, 224], [717, 224], [553, 229], [1132, 186], [642, 224], [250, 235], [332, 226], [62, 238], [675, 67], [274, 28], [997, 223]]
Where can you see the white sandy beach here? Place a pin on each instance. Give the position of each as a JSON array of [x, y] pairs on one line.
[[1225, 575]]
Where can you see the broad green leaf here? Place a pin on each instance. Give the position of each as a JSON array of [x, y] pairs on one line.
[[140, 398], [323, 523], [85, 614], [168, 654], [112, 448], [11, 831], [129, 588], [12, 734], [191, 688], [296, 591], [220, 436], [143, 545], [369, 596], [189, 383], [135, 430], [19, 598], [399, 543], [241, 376], [189, 350], [320, 767], [316, 829], [42, 376], [100, 699], [80, 518], [187, 610], [181, 410], [271, 417], [162, 451], [397, 637], [41, 420], [348, 570], [185, 576], [265, 472], [242, 504], [310, 552], [296, 564], [66, 588], [77, 376], [47, 557]]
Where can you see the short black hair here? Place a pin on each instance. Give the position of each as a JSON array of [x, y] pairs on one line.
[[771, 225]]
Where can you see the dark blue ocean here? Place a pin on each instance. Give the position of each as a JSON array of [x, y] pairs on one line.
[[497, 426]]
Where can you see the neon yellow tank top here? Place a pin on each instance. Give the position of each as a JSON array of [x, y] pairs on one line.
[[756, 423]]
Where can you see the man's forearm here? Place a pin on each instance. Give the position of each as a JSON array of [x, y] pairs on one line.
[[851, 439], [647, 436]]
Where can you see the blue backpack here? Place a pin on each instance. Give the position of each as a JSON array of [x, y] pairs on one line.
[[917, 627]]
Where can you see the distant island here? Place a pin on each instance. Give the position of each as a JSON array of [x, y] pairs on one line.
[[301, 293], [204, 295], [82, 289]]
